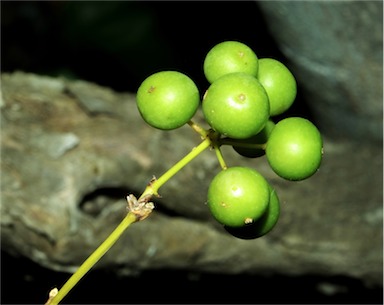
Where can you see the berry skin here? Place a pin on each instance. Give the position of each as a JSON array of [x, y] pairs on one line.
[[294, 149], [263, 225], [279, 83], [237, 196], [228, 57], [260, 138], [167, 100], [236, 105]]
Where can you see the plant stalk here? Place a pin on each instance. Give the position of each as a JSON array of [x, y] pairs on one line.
[[152, 189], [93, 259]]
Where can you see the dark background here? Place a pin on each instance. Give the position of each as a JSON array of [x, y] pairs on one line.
[[118, 44], [24, 282]]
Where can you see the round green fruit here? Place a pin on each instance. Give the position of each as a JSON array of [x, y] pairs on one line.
[[237, 196], [236, 105], [261, 226], [279, 83], [167, 100], [295, 148], [260, 138], [228, 57]]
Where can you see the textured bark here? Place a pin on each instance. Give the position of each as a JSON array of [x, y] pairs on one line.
[[71, 152]]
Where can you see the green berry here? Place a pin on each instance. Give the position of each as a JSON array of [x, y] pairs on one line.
[[167, 100], [236, 105], [228, 57], [260, 138], [295, 148], [263, 225], [237, 196], [279, 83]]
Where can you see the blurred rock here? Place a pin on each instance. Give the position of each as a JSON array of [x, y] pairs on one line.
[[72, 151], [335, 50]]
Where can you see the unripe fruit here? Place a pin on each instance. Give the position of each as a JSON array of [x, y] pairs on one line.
[[295, 148], [228, 57], [236, 105], [260, 138], [167, 99], [237, 196], [263, 225], [279, 83]]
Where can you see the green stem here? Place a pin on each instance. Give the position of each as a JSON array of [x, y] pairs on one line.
[[93, 258], [152, 188], [200, 130], [215, 139], [220, 157]]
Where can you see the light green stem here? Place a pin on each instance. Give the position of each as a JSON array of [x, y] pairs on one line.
[[152, 189], [220, 157], [200, 130], [93, 258]]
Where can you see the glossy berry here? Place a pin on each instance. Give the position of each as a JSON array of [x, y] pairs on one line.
[[228, 57], [263, 225], [167, 100], [236, 105], [260, 138], [279, 83], [294, 149], [238, 196]]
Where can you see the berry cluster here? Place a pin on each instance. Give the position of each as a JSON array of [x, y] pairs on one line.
[[244, 96]]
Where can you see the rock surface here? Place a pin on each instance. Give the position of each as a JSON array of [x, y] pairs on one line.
[[335, 49], [72, 151]]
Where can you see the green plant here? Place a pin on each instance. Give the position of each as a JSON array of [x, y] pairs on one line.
[[294, 148], [264, 224], [236, 105], [167, 99], [228, 57], [279, 83], [258, 139], [238, 196], [237, 109]]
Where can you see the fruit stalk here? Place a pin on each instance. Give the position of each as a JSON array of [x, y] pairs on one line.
[[131, 217], [152, 188], [201, 131], [93, 259]]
